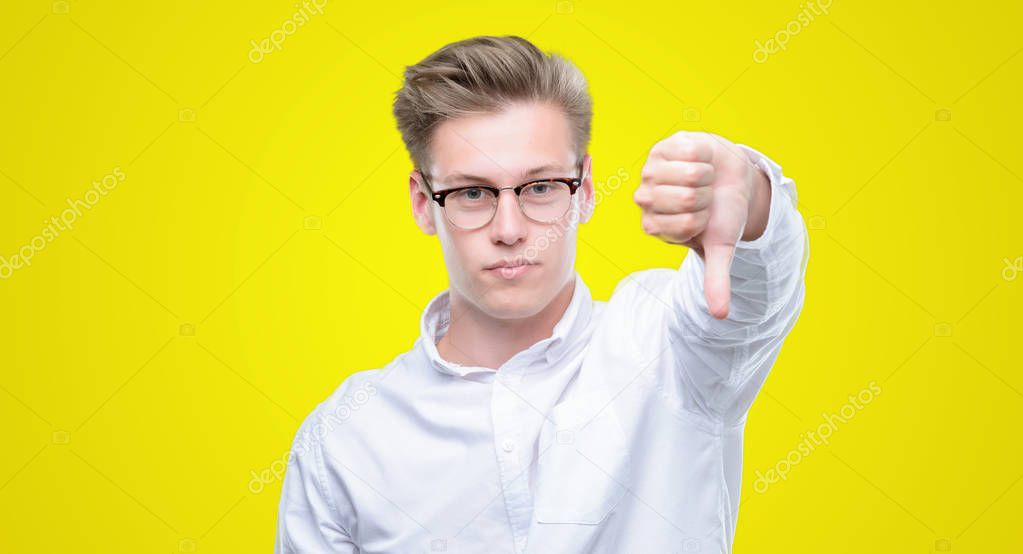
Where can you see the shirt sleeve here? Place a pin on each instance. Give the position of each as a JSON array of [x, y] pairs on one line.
[[723, 363], [309, 518]]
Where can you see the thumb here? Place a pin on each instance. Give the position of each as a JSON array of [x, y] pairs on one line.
[[717, 278]]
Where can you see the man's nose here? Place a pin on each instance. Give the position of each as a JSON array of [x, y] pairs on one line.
[[509, 224]]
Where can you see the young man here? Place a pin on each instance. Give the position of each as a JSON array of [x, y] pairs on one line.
[[529, 417]]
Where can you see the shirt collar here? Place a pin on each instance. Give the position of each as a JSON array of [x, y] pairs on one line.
[[436, 318]]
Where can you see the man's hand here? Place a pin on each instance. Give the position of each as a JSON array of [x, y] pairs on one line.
[[702, 191]]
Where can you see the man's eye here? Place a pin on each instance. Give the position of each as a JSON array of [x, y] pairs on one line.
[[471, 195], [541, 189]]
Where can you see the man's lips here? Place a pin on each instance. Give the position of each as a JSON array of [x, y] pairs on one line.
[[510, 269], [509, 264]]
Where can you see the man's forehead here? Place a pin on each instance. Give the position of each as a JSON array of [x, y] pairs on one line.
[[494, 173], [518, 142]]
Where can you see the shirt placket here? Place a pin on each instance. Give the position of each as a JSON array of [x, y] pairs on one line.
[[512, 455]]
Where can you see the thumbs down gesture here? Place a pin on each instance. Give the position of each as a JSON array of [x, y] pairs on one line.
[[702, 191]]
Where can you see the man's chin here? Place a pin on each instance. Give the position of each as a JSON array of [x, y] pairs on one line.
[[511, 302]]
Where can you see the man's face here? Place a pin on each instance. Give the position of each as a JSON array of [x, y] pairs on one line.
[[500, 150]]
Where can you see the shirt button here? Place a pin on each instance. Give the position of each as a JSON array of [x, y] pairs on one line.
[[508, 445]]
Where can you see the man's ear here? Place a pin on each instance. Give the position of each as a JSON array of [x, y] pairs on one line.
[[422, 204], [586, 195]]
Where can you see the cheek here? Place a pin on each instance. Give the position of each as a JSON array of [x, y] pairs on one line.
[[461, 251], [566, 250], [554, 246]]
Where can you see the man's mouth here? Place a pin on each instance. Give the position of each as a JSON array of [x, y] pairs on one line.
[[510, 269]]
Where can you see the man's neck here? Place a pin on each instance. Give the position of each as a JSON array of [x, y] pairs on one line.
[[476, 339]]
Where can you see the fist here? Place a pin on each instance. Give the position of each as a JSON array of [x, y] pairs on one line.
[[696, 190]]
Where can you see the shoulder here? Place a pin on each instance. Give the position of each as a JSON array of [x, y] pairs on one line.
[[353, 405], [354, 392], [336, 411]]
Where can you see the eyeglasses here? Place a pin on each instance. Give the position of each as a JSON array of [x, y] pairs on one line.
[[471, 207]]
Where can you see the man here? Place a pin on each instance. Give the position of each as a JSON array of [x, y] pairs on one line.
[[528, 417]]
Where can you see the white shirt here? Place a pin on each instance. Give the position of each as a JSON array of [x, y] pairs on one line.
[[620, 433]]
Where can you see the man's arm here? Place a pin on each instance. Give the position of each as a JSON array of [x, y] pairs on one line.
[[733, 303], [309, 516]]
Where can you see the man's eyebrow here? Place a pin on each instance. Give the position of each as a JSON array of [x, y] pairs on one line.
[[465, 177]]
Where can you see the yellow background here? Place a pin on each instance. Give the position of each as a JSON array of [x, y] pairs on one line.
[[166, 347]]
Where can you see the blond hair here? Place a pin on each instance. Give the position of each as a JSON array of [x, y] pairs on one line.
[[482, 75]]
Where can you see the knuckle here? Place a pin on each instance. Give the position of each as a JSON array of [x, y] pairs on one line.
[[705, 149], [678, 146], [700, 147], [709, 174], [663, 148], [678, 137], [689, 200], [677, 201], [686, 150]]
